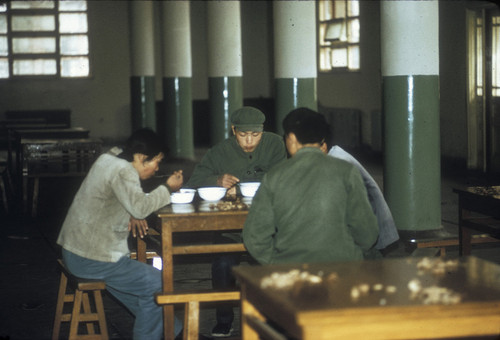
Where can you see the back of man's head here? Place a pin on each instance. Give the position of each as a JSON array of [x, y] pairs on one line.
[[308, 126]]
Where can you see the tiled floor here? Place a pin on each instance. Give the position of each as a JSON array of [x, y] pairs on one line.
[[29, 276]]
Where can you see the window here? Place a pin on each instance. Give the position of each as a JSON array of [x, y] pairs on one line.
[[338, 35], [44, 38], [495, 55]]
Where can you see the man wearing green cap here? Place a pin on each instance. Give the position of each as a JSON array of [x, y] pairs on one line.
[[244, 157]]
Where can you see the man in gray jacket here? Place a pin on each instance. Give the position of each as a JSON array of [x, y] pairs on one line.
[[95, 231]]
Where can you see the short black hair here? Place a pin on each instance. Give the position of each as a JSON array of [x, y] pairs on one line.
[[309, 126], [144, 141]]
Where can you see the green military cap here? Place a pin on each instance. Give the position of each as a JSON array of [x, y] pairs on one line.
[[248, 119]]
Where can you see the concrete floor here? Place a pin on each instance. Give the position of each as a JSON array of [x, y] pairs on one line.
[[30, 278]]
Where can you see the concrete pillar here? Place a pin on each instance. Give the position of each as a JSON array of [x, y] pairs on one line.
[[294, 57], [410, 73], [142, 81], [177, 73], [225, 69]]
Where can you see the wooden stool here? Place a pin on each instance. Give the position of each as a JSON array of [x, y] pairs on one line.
[[191, 301], [79, 298]]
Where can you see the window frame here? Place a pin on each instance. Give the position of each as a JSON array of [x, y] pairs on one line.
[[57, 55], [322, 24]]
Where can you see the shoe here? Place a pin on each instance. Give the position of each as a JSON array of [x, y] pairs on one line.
[[222, 330]]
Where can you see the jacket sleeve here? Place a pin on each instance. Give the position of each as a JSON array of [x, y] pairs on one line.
[[128, 191], [259, 229], [204, 173], [360, 217]]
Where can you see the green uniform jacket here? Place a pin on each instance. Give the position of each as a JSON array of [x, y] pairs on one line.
[[310, 208], [228, 157]]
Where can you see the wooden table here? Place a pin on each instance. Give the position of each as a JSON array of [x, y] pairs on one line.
[[387, 311], [478, 210], [15, 144], [189, 218]]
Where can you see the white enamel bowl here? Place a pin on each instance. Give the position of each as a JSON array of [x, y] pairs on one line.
[[249, 189], [182, 196], [212, 193]]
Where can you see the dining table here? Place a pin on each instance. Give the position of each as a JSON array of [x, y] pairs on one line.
[[392, 298], [197, 217]]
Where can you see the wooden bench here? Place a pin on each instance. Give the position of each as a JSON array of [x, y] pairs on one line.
[[191, 301], [443, 243], [80, 298]]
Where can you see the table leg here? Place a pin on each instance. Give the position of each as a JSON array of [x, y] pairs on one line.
[[248, 310], [167, 276], [464, 233]]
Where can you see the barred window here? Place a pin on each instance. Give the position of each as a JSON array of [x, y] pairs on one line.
[[44, 38]]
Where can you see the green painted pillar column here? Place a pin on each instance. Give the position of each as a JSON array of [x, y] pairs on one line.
[[142, 80], [410, 73], [225, 69], [294, 57], [177, 114]]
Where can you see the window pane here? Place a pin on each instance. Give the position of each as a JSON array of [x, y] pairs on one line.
[[325, 10], [353, 36], [353, 8], [3, 7], [340, 10], [33, 23], [354, 57], [479, 56], [325, 61], [74, 45], [339, 57], [75, 67], [495, 55], [35, 67], [72, 5], [34, 45], [73, 23], [4, 47], [3, 23], [4, 68], [32, 4]]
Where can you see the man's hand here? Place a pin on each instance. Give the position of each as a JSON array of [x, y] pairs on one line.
[[227, 181], [138, 227], [175, 181]]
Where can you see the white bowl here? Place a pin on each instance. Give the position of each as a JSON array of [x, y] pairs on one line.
[[249, 189], [212, 193], [183, 208], [182, 196]]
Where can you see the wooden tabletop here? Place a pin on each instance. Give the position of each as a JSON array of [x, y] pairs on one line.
[[389, 298]]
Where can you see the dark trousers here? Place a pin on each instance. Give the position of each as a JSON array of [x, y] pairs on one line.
[[223, 279]]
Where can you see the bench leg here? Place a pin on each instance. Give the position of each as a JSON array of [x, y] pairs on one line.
[[87, 310], [75, 316], [100, 314], [191, 320], [36, 190], [59, 307], [3, 189]]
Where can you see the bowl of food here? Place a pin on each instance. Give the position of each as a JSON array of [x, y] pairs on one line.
[[212, 193], [182, 196], [249, 189]]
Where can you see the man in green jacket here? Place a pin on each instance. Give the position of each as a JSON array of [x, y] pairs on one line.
[[244, 157], [312, 207]]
